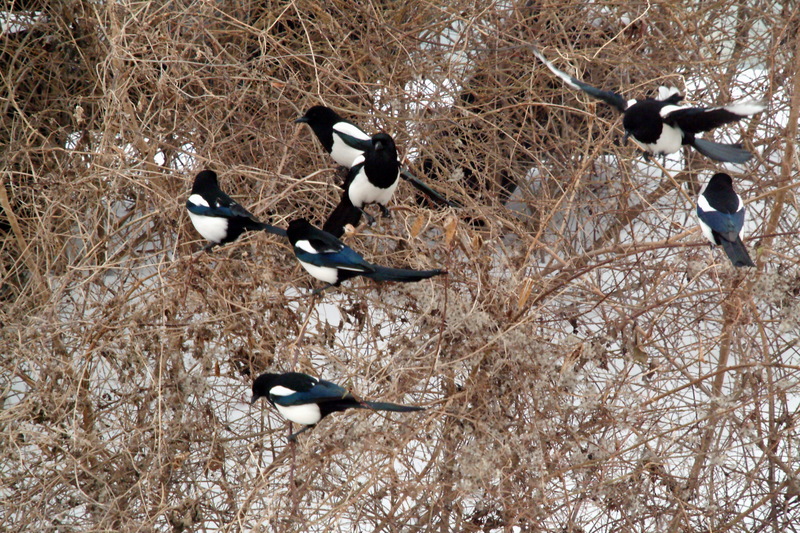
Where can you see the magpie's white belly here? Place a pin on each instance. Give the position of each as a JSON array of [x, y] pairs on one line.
[[344, 154], [326, 274], [362, 192], [668, 143], [307, 414], [212, 229]]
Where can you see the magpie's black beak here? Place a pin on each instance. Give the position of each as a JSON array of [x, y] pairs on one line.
[[253, 399], [625, 137], [301, 120]]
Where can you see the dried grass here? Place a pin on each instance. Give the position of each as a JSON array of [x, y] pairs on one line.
[[577, 381]]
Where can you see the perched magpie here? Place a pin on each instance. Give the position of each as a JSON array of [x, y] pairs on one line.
[[342, 139], [721, 215], [216, 216], [371, 180], [345, 142], [306, 400], [328, 259], [662, 125]]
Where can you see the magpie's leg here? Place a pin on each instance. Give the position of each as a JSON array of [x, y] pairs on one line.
[[209, 246], [321, 289], [384, 210], [293, 436], [370, 218]]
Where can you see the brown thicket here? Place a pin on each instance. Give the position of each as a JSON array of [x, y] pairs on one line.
[[589, 364]]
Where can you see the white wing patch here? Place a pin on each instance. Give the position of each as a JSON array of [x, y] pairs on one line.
[[665, 92], [706, 229], [196, 199], [305, 245], [280, 390], [667, 109], [703, 204], [344, 154], [351, 130]]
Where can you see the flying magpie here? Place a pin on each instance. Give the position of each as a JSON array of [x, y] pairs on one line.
[[306, 400], [345, 142], [663, 125], [721, 215], [371, 180], [217, 217], [328, 259]]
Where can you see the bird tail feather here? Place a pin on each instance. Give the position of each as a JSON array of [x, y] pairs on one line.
[[386, 406], [737, 253], [345, 213], [402, 274], [272, 229], [730, 153], [430, 193]]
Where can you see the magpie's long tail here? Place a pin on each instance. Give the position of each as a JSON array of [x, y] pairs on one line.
[[401, 274], [386, 406], [430, 193], [730, 153], [272, 229], [345, 213], [737, 253]]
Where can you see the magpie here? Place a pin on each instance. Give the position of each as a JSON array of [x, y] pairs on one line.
[[306, 400], [662, 125], [346, 142], [328, 259], [217, 217], [721, 216], [371, 180]]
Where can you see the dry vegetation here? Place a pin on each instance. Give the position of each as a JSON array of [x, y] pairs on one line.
[[589, 364]]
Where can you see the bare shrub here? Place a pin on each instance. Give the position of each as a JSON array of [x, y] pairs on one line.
[[588, 364]]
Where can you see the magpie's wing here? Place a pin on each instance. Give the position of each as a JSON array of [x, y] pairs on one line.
[[352, 135], [358, 166], [611, 98], [322, 391], [322, 241], [331, 252], [727, 225], [697, 119], [346, 259], [222, 206]]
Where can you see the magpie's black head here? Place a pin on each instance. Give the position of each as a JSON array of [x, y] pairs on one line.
[[384, 141], [262, 386], [205, 181], [298, 229], [320, 116], [720, 181]]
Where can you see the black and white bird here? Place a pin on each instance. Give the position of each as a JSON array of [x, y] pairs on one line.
[[663, 125], [328, 259], [342, 139], [371, 180], [306, 400], [346, 142], [721, 215], [217, 217]]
